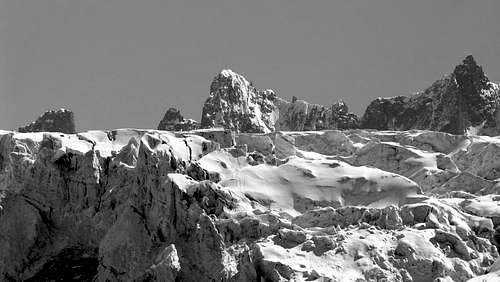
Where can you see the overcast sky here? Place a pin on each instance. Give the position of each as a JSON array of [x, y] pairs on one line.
[[122, 63]]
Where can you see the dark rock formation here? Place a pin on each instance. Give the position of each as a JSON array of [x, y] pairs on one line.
[[52, 121], [464, 101], [235, 104], [174, 121]]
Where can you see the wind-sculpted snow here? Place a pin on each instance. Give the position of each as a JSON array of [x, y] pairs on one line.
[[299, 184], [215, 205]]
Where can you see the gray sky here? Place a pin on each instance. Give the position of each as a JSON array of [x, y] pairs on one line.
[[122, 63]]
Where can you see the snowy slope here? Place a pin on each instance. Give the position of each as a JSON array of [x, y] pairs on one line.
[[352, 205]]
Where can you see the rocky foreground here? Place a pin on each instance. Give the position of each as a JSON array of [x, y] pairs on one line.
[[214, 205]]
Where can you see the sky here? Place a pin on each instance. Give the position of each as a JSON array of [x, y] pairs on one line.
[[122, 63]]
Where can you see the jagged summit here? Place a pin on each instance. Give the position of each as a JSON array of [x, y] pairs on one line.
[[174, 121], [469, 71], [234, 103], [463, 102], [478, 99], [61, 120]]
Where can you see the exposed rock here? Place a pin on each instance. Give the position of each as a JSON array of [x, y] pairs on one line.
[[166, 267], [148, 205], [195, 171], [52, 121], [235, 104], [290, 238], [300, 115], [492, 275], [174, 121], [466, 182], [464, 101], [479, 156], [74, 192], [315, 117]]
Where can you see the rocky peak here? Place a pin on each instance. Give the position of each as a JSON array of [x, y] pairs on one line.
[[475, 106], [174, 121], [60, 120], [173, 115], [470, 75], [234, 103], [340, 107], [463, 102]]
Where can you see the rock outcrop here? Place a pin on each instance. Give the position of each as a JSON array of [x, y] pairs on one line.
[[300, 115], [104, 201], [235, 104], [52, 121], [174, 121], [463, 102]]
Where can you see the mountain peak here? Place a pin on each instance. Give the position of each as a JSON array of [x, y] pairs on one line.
[[228, 73], [61, 120], [174, 121], [465, 101], [470, 75], [234, 103]]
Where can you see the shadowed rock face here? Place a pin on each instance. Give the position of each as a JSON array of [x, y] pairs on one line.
[[68, 265], [52, 121], [235, 104], [174, 121], [464, 101]]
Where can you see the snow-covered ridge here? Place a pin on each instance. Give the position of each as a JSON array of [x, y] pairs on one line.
[[353, 205], [106, 143]]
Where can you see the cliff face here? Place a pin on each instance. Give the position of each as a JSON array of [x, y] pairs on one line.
[[237, 105], [110, 201], [464, 101], [52, 121], [145, 205]]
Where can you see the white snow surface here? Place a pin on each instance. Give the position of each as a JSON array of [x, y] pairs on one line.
[[318, 180], [109, 143], [315, 175]]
